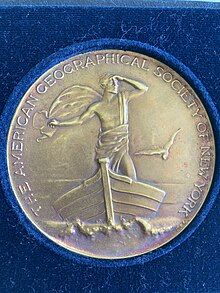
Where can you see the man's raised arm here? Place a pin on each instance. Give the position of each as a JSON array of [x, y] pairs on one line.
[[140, 88]]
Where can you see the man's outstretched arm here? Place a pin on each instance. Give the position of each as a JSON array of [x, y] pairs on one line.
[[140, 88], [88, 114]]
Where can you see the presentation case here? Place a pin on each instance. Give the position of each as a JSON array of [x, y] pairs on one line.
[[29, 33]]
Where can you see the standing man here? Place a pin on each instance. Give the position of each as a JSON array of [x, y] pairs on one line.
[[112, 111]]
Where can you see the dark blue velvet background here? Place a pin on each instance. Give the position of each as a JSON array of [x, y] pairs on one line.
[[28, 35]]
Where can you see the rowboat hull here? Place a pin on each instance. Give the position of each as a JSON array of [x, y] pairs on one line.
[[130, 198]]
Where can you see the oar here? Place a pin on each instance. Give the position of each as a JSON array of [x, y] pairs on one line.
[[104, 163]]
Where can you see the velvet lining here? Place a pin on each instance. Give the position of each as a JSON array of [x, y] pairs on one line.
[[188, 50]]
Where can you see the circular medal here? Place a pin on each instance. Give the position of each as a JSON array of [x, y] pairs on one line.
[[110, 154]]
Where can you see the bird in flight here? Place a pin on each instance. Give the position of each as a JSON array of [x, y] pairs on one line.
[[162, 151]]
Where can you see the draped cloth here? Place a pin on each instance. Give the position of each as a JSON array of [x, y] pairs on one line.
[[113, 144], [70, 104]]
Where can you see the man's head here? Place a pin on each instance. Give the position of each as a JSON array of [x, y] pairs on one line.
[[109, 83]]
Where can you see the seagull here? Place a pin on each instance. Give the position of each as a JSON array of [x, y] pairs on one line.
[[163, 151]]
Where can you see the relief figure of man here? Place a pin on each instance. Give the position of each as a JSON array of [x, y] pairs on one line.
[[112, 111]]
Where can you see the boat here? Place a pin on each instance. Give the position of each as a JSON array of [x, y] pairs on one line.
[[109, 194]]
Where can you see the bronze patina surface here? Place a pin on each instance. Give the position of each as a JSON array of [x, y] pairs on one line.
[[110, 154]]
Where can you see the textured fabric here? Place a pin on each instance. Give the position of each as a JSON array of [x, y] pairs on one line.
[[113, 144], [28, 35], [69, 105]]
